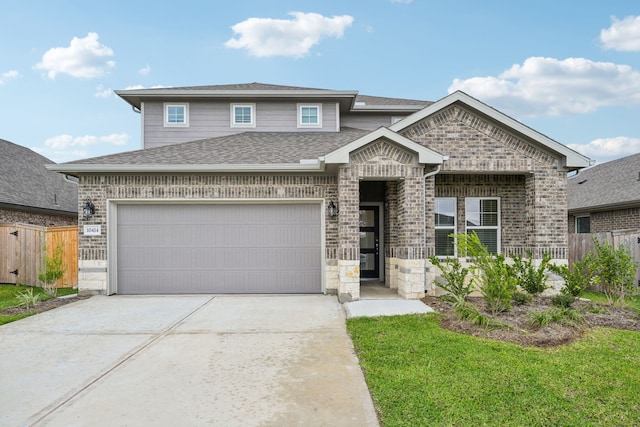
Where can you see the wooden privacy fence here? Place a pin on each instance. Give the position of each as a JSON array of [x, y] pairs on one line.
[[580, 244], [23, 250]]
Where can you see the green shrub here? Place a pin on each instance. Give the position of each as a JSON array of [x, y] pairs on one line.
[[493, 275], [53, 271], [575, 280], [454, 275], [531, 278], [571, 317], [562, 301], [564, 316], [521, 298], [615, 270], [28, 298], [595, 308], [471, 313], [540, 318]]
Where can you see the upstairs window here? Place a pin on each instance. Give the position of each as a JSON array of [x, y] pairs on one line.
[[176, 115], [309, 116], [482, 216], [243, 115], [445, 226]]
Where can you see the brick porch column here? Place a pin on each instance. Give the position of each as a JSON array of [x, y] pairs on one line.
[[348, 235]]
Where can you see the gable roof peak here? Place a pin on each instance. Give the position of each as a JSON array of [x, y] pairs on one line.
[[572, 159]]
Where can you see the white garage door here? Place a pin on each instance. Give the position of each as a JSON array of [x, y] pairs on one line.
[[218, 248]]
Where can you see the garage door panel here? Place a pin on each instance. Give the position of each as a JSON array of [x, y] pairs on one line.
[[219, 248]]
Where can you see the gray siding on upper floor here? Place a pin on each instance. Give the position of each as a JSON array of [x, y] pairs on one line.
[[368, 121], [212, 119]]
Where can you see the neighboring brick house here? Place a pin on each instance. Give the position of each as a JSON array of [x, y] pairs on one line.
[[260, 188], [31, 194], [605, 197]]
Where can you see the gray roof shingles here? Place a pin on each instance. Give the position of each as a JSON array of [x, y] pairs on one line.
[[252, 148], [257, 87], [24, 181], [610, 184]]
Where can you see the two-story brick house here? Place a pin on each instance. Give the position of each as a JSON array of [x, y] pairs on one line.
[[256, 188]]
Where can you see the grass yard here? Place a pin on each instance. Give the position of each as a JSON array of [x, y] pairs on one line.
[[9, 298], [420, 374]]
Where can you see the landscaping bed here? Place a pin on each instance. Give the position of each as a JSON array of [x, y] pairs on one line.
[[519, 328], [41, 306]]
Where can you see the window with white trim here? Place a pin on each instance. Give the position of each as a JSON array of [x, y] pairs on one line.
[[445, 226], [583, 224], [243, 115], [309, 115], [482, 216], [176, 115]]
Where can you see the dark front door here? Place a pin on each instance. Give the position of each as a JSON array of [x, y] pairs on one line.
[[369, 242]]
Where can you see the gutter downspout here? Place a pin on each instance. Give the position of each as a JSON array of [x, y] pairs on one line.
[[424, 196]]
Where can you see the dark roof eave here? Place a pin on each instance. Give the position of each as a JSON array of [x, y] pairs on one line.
[[36, 209], [135, 97], [605, 207], [77, 169]]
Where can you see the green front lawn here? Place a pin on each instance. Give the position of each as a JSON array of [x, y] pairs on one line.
[[420, 374], [9, 298]]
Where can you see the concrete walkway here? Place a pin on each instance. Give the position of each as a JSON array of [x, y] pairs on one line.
[[183, 360], [378, 300]]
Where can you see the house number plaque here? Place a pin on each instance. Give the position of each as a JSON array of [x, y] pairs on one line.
[[92, 230]]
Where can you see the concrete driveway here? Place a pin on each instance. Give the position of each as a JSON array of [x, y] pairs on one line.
[[183, 360]]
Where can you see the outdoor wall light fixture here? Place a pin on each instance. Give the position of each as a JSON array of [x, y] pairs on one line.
[[89, 209], [332, 210]]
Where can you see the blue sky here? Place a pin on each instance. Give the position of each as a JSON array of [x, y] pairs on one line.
[[569, 69]]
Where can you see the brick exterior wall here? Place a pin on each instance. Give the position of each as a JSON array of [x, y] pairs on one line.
[[509, 188], [620, 219], [198, 187], [45, 220], [484, 161], [482, 151]]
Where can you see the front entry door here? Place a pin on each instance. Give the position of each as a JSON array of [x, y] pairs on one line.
[[369, 242]]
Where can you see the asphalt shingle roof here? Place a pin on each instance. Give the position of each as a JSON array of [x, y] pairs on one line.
[[257, 87], [24, 181], [612, 183], [243, 148]]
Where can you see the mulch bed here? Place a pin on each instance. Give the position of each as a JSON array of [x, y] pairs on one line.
[[522, 332], [42, 305]]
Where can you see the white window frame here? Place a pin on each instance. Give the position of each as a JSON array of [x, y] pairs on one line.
[[453, 227], [166, 107], [310, 125], [497, 227], [235, 124]]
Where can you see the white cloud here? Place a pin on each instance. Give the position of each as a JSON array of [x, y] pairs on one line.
[[622, 35], [101, 92], [7, 75], [609, 148], [65, 141], [144, 71], [266, 37], [553, 87], [84, 58], [401, 1]]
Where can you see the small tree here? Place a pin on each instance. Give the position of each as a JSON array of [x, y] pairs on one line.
[[53, 271], [496, 279], [614, 269]]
